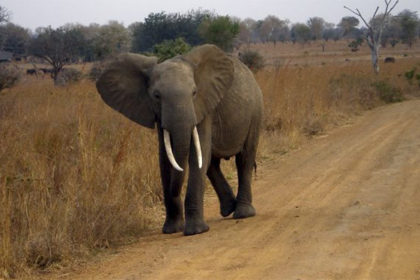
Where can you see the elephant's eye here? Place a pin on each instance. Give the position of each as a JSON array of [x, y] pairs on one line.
[[194, 92], [156, 95]]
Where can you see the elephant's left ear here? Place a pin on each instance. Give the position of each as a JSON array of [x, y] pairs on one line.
[[123, 86], [213, 75]]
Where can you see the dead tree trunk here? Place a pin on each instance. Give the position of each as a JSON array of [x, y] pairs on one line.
[[374, 50], [374, 33]]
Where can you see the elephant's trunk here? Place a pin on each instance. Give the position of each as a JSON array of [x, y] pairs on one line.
[[170, 154]]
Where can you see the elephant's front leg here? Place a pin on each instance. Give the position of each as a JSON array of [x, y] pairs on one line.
[[194, 216], [172, 184]]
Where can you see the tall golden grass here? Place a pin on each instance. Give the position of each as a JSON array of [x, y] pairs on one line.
[[302, 101], [76, 176]]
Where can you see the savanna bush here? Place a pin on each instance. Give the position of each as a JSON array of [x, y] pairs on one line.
[[412, 76], [409, 75], [68, 76], [9, 76], [388, 93], [253, 59], [352, 88], [171, 48], [96, 70]]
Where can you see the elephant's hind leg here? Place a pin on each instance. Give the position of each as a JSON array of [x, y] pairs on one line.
[[222, 188], [245, 162]]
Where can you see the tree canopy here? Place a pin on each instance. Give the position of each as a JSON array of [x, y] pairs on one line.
[[158, 27], [220, 30], [14, 38], [409, 23], [301, 33], [95, 42], [57, 46]]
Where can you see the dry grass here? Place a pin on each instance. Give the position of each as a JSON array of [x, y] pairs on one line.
[[335, 53], [304, 101], [75, 176]]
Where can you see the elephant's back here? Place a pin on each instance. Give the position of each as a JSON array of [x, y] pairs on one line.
[[239, 114]]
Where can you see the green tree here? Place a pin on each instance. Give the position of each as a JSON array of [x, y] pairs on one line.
[[248, 31], [273, 29], [158, 27], [355, 45], [220, 30], [89, 51], [300, 33], [409, 22], [170, 48], [392, 31], [57, 47], [155, 29], [331, 32], [110, 39], [317, 26], [349, 26], [15, 39]]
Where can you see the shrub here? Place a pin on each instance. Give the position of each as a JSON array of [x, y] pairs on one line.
[[346, 89], [219, 30], [388, 93], [409, 75], [252, 59], [9, 76], [394, 42], [96, 70], [68, 76], [170, 48], [355, 45], [313, 126]]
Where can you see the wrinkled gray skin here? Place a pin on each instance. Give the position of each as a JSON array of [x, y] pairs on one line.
[[205, 89]]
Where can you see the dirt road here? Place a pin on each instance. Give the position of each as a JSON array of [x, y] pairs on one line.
[[346, 206]]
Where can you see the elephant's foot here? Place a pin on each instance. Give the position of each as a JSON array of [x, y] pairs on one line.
[[244, 211], [227, 207], [173, 226], [195, 227]]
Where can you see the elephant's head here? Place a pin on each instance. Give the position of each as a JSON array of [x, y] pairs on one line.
[[177, 93]]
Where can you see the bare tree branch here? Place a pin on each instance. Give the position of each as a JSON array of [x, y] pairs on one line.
[[395, 4], [358, 14], [374, 32], [4, 14], [374, 14]]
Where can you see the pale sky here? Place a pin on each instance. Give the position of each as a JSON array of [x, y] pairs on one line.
[[41, 13]]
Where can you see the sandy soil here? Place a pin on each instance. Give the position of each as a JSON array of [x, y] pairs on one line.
[[345, 206]]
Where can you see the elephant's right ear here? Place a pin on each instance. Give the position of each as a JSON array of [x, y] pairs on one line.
[[123, 86]]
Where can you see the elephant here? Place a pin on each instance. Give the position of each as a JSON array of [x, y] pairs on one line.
[[206, 106]]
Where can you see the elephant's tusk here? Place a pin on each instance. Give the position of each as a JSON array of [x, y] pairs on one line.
[[197, 146], [168, 148]]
